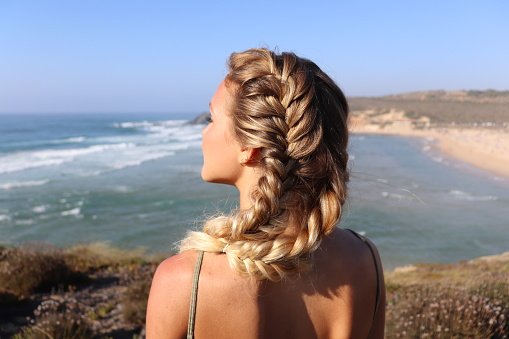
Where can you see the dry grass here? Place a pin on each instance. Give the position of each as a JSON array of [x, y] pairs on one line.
[[464, 300], [94, 256], [35, 268], [79, 290], [467, 299], [134, 299], [57, 319]]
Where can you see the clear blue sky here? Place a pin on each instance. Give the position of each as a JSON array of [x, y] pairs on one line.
[[168, 56]]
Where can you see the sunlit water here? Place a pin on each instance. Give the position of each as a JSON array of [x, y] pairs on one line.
[[134, 180]]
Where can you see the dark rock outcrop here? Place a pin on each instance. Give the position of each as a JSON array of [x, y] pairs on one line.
[[201, 119]]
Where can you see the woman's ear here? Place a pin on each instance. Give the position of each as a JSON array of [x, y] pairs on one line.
[[249, 156]]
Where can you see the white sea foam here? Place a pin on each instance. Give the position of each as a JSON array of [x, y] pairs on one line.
[[166, 130], [124, 163], [396, 196], [39, 209], [75, 212], [383, 181], [17, 184], [122, 189], [162, 139], [189, 137], [460, 195], [68, 140], [149, 125], [21, 161], [89, 173], [4, 217]]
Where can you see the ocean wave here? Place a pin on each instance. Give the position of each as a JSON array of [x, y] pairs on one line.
[[4, 217], [69, 140], [21, 161], [147, 125], [16, 184], [460, 195], [167, 130], [121, 164], [75, 212], [39, 209], [123, 189], [396, 196], [189, 137]]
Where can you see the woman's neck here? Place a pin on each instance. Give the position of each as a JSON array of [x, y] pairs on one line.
[[245, 184]]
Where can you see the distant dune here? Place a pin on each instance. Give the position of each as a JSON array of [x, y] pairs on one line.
[[465, 107]]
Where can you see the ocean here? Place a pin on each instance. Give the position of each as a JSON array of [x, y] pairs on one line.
[[133, 180]]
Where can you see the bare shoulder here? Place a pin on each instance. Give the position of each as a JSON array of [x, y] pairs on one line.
[[359, 257], [168, 301], [358, 266], [351, 251]]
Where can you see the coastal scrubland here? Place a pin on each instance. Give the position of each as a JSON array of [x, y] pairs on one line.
[[96, 291]]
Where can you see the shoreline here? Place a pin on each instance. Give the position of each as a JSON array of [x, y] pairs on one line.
[[484, 148]]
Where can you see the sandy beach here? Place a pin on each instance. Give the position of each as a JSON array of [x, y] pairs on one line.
[[485, 146]]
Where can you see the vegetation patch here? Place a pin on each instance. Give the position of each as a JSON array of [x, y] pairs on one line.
[[35, 268], [93, 291], [464, 300]]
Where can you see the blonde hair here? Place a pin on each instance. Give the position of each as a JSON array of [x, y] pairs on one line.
[[290, 110]]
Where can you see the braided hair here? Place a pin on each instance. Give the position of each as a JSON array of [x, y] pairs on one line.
[[296, 116]]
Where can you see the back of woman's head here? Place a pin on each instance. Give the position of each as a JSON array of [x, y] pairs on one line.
[[289, 110]]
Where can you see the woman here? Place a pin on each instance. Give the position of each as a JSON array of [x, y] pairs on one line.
[[278, 267]]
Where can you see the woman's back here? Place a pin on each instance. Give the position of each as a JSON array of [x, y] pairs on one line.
[[278, 132], [336, 299]]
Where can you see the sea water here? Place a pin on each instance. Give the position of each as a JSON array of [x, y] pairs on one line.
[[133, 180]]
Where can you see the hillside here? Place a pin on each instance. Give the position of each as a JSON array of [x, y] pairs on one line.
[[487, 108], [96, 291]]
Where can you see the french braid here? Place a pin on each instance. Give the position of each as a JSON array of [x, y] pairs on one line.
[[291, 111]]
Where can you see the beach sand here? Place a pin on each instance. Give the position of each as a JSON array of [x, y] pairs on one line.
[[484, 147]]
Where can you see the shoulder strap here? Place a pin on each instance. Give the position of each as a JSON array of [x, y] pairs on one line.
[[378, 284], [194, 295]]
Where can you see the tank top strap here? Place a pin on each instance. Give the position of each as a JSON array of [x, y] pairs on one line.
[[194, 296], [377, 269]]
